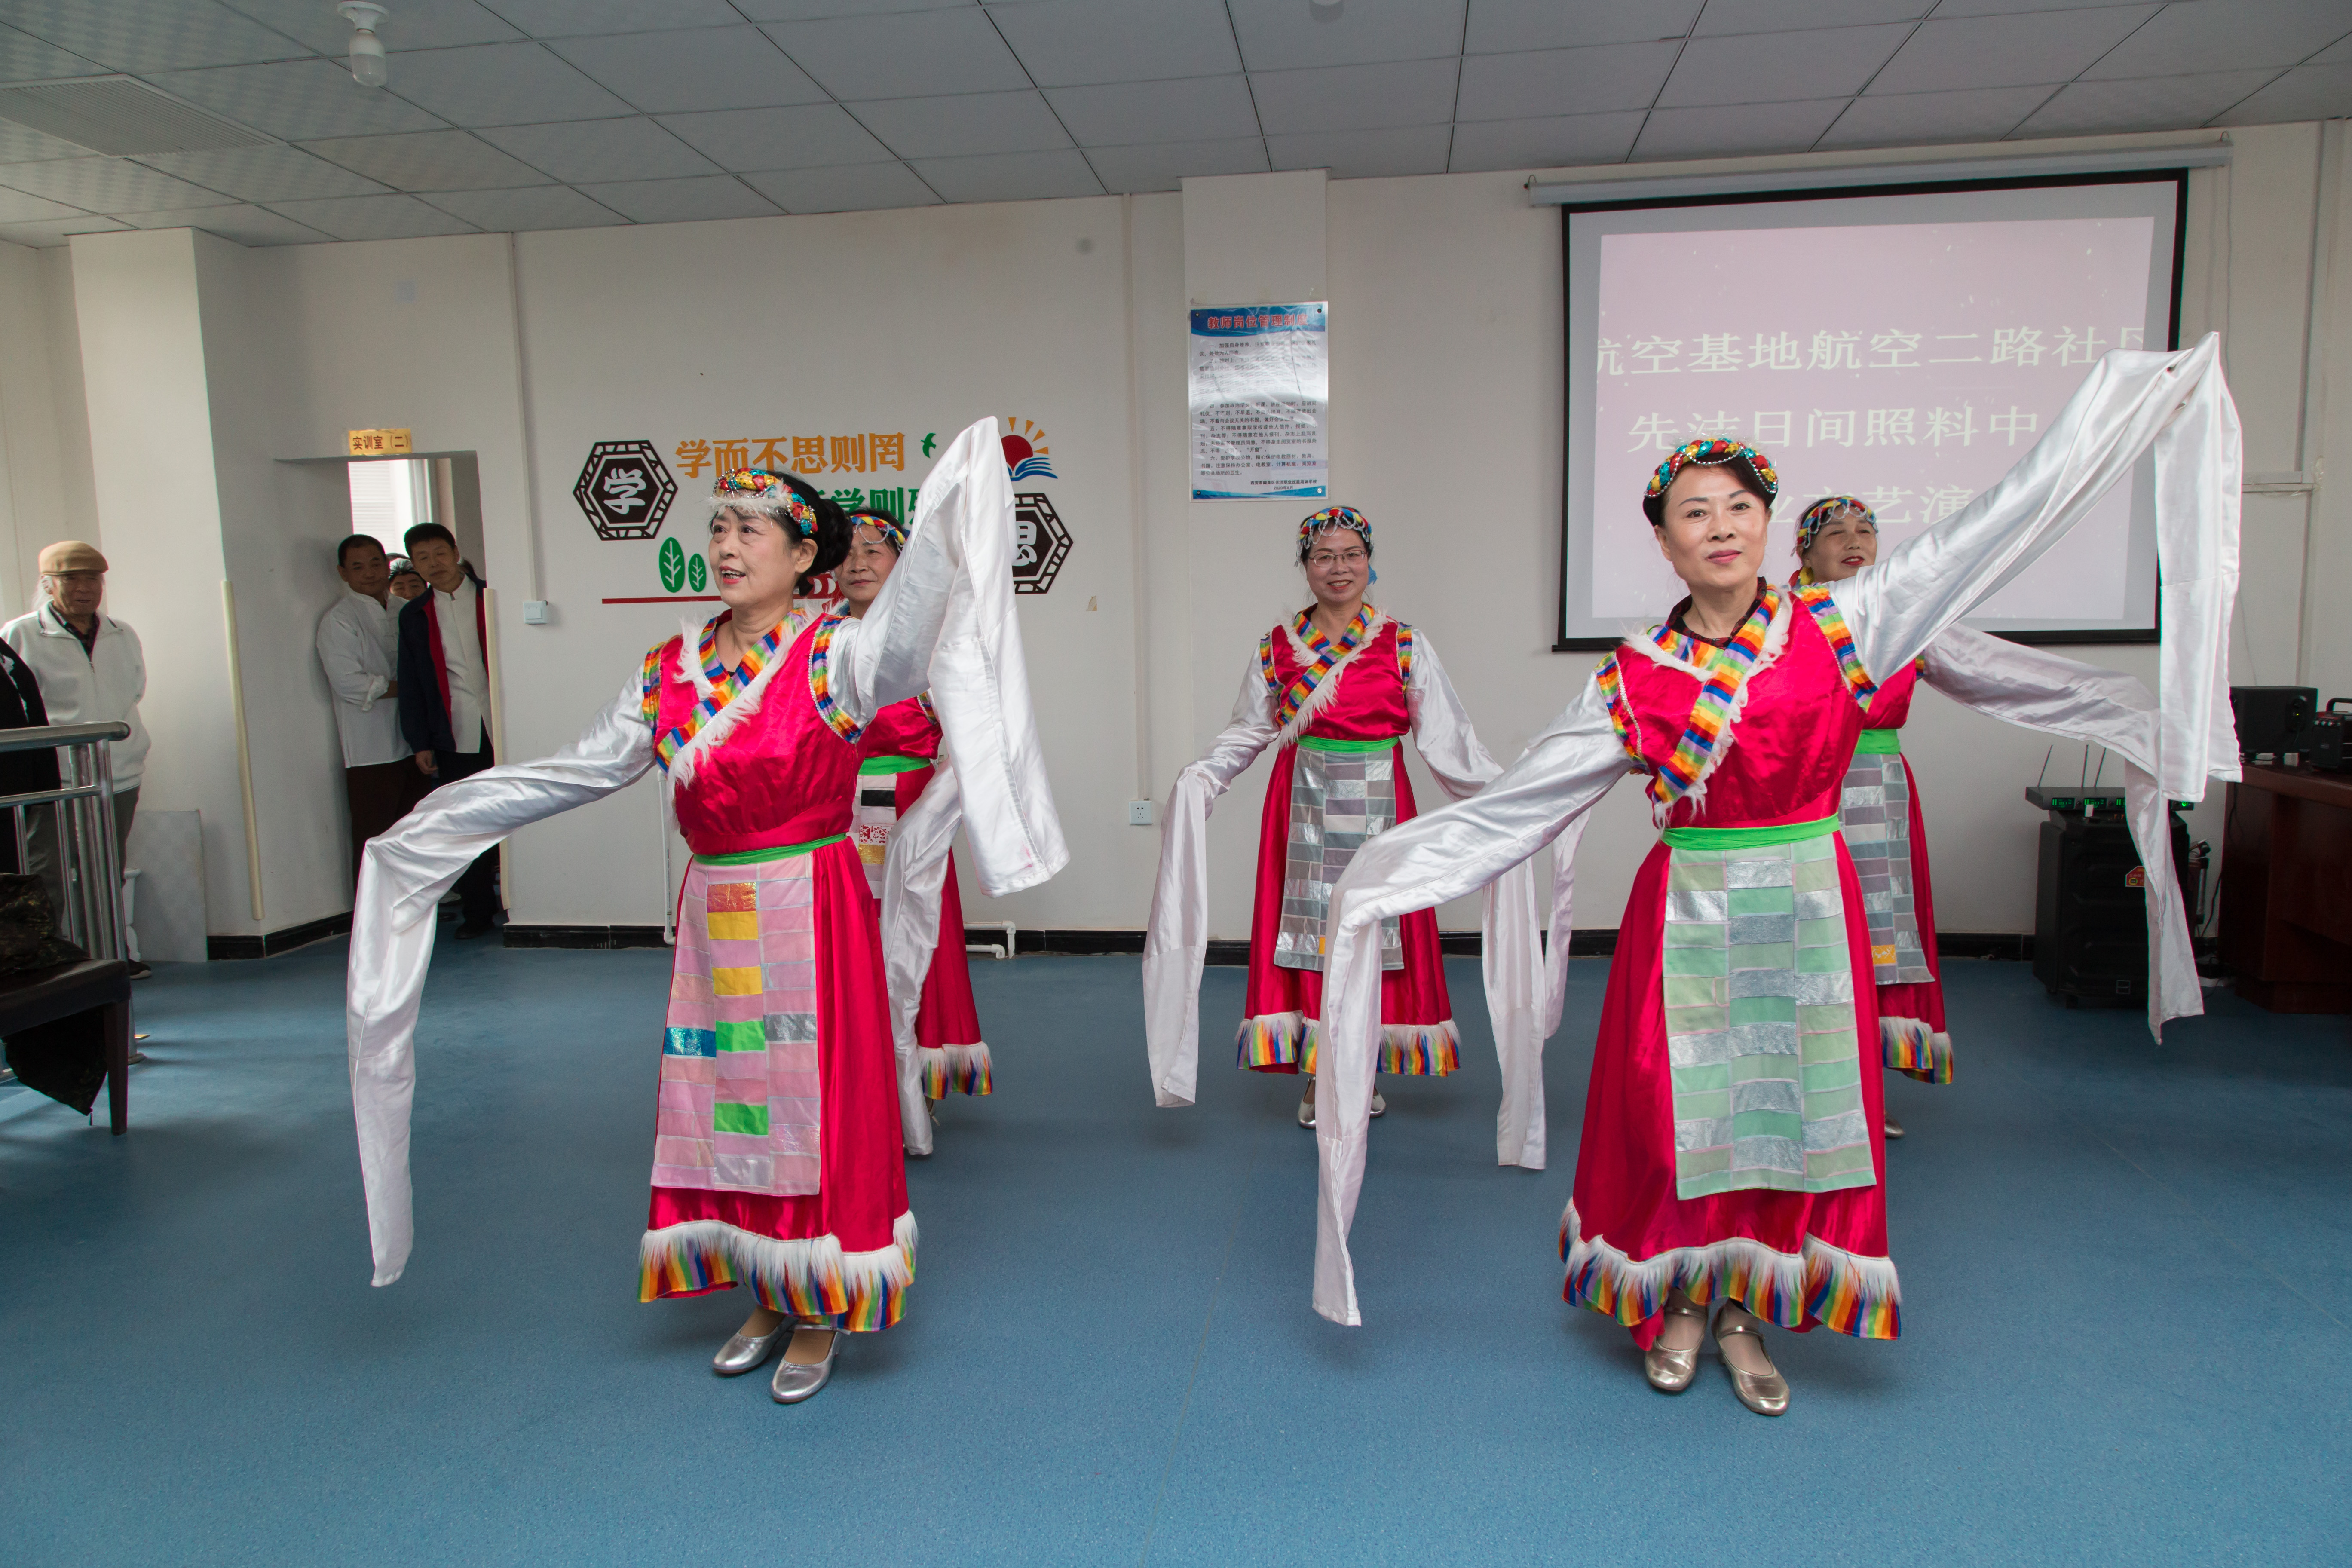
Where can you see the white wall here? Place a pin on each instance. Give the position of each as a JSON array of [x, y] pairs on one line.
[[1447, 414], [46, 484]]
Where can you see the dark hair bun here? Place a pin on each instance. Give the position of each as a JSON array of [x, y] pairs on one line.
[[832, 532]]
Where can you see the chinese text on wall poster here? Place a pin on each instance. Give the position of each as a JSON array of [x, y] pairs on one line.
[[1260, 378]]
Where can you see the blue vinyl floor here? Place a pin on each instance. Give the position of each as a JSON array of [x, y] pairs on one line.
[[2128, 1280]]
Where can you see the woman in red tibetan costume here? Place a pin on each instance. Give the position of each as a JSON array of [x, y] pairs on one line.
[[1732, 1146], [776, 1154], [1336, 689], [938, 1046]]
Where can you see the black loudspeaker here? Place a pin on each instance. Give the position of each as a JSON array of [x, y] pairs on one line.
[[2323, 738], [2090, 917], [2271, 719]]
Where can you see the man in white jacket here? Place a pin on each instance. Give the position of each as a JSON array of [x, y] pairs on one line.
[[359, 646], [91, 671]]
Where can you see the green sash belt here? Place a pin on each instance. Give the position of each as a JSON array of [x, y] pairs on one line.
[[773, 852], [1749, 837], [1321, 743], [1886, 743], [892, 765]]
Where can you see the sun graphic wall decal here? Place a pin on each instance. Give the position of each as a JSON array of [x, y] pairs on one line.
[[1026, 456]]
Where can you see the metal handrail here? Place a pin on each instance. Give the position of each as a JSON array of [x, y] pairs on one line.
[[33, 737], [82, 809]]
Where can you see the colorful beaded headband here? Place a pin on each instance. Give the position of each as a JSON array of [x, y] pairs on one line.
[[758, 487], [1817, 514], [1710, 451], [1346, 516], [890, 527]]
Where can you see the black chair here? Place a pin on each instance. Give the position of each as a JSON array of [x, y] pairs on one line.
[[45, 996]]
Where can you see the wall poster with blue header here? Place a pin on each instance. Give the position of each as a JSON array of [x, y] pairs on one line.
[[1260, 401]]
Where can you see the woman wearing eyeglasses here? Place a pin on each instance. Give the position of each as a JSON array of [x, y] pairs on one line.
[[1336, 690], [908, 808]]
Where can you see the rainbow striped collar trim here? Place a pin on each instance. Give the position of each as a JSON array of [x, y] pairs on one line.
[[724, 684], [1323, 657], [1726, 671], [821, 681]]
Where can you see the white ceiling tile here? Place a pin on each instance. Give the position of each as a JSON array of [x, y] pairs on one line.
[[429, 161], [862, 188], [1289, 34], [1364, 154], [529, 210], [1790, 16], [23, 207], [499, 84], [150, 35], [244, 225], [2007, 51], [1166, 165], [2306, 92], [107, 185], [583, 150], [23, 144], [1500, 27], [1779, 68], [677, 72], [1555, 141], [262, 174], [682, 201], [1010, 177], [807, 136], [903, 55], [1126, 113], [299, 100], [48, 235], [1355, 97], [1947, 9], [1728, 129], [1546, 83], [2144, 103], [2227, 34], [963, 126], [2337, 55], [1907, 119], [23, 58], [569, 18], [1070, 43], [809, 10], [407, 24], [373, 218]]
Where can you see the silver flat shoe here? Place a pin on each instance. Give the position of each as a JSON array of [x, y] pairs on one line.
[[1379, 1106], [795, 1381], [745, 1352], [1764, 1393], [1893, 1128], [1306, 1109], [1670, 1371]]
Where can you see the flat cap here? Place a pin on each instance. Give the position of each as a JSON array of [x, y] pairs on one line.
[[71, 555]]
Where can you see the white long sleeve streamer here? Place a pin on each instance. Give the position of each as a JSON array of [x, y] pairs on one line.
[[914, 885], [2175, 403]]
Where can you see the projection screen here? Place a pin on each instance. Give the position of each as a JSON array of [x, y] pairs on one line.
[[1901, 344]]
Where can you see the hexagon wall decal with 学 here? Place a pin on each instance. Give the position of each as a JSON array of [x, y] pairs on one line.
[[1040, 543], [624, 488]]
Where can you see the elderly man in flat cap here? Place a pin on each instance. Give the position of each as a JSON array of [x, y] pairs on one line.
[[91, 671]]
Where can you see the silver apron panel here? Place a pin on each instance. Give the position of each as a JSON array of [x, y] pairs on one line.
[[1338, 800], [1875, 809]]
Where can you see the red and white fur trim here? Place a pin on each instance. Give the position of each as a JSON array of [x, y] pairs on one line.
[[1327, 690], [1775, 641], [744, 703]]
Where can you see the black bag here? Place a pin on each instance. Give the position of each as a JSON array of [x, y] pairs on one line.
[[64, 1058]]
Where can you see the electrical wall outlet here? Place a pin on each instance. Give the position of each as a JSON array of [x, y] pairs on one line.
[[534, 611], [1139, 813]]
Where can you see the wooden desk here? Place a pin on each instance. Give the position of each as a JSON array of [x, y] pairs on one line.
[[2286, 890]]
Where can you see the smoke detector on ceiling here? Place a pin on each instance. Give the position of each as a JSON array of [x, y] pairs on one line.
[[368, 67]]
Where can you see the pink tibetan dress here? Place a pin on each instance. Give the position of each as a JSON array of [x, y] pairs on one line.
[[1337, 711], [776, 1159], [901, 750], [1880, 809]]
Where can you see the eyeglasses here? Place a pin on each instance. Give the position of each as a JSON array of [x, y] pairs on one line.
[[869, 534], [1325, 559]]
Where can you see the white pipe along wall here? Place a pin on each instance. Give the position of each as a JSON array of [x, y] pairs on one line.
[[172, 397]]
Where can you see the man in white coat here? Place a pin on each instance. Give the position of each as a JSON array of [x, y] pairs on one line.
[[358, 647], [91, 671]]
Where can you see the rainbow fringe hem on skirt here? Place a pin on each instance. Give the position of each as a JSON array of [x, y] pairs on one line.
[[1913, 1049], [966, 1070], [805, 1279], [1840, 1289], [1284, 1042]]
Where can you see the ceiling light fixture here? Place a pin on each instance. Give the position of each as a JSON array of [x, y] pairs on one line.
[[368, 67], [1326, 10]]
